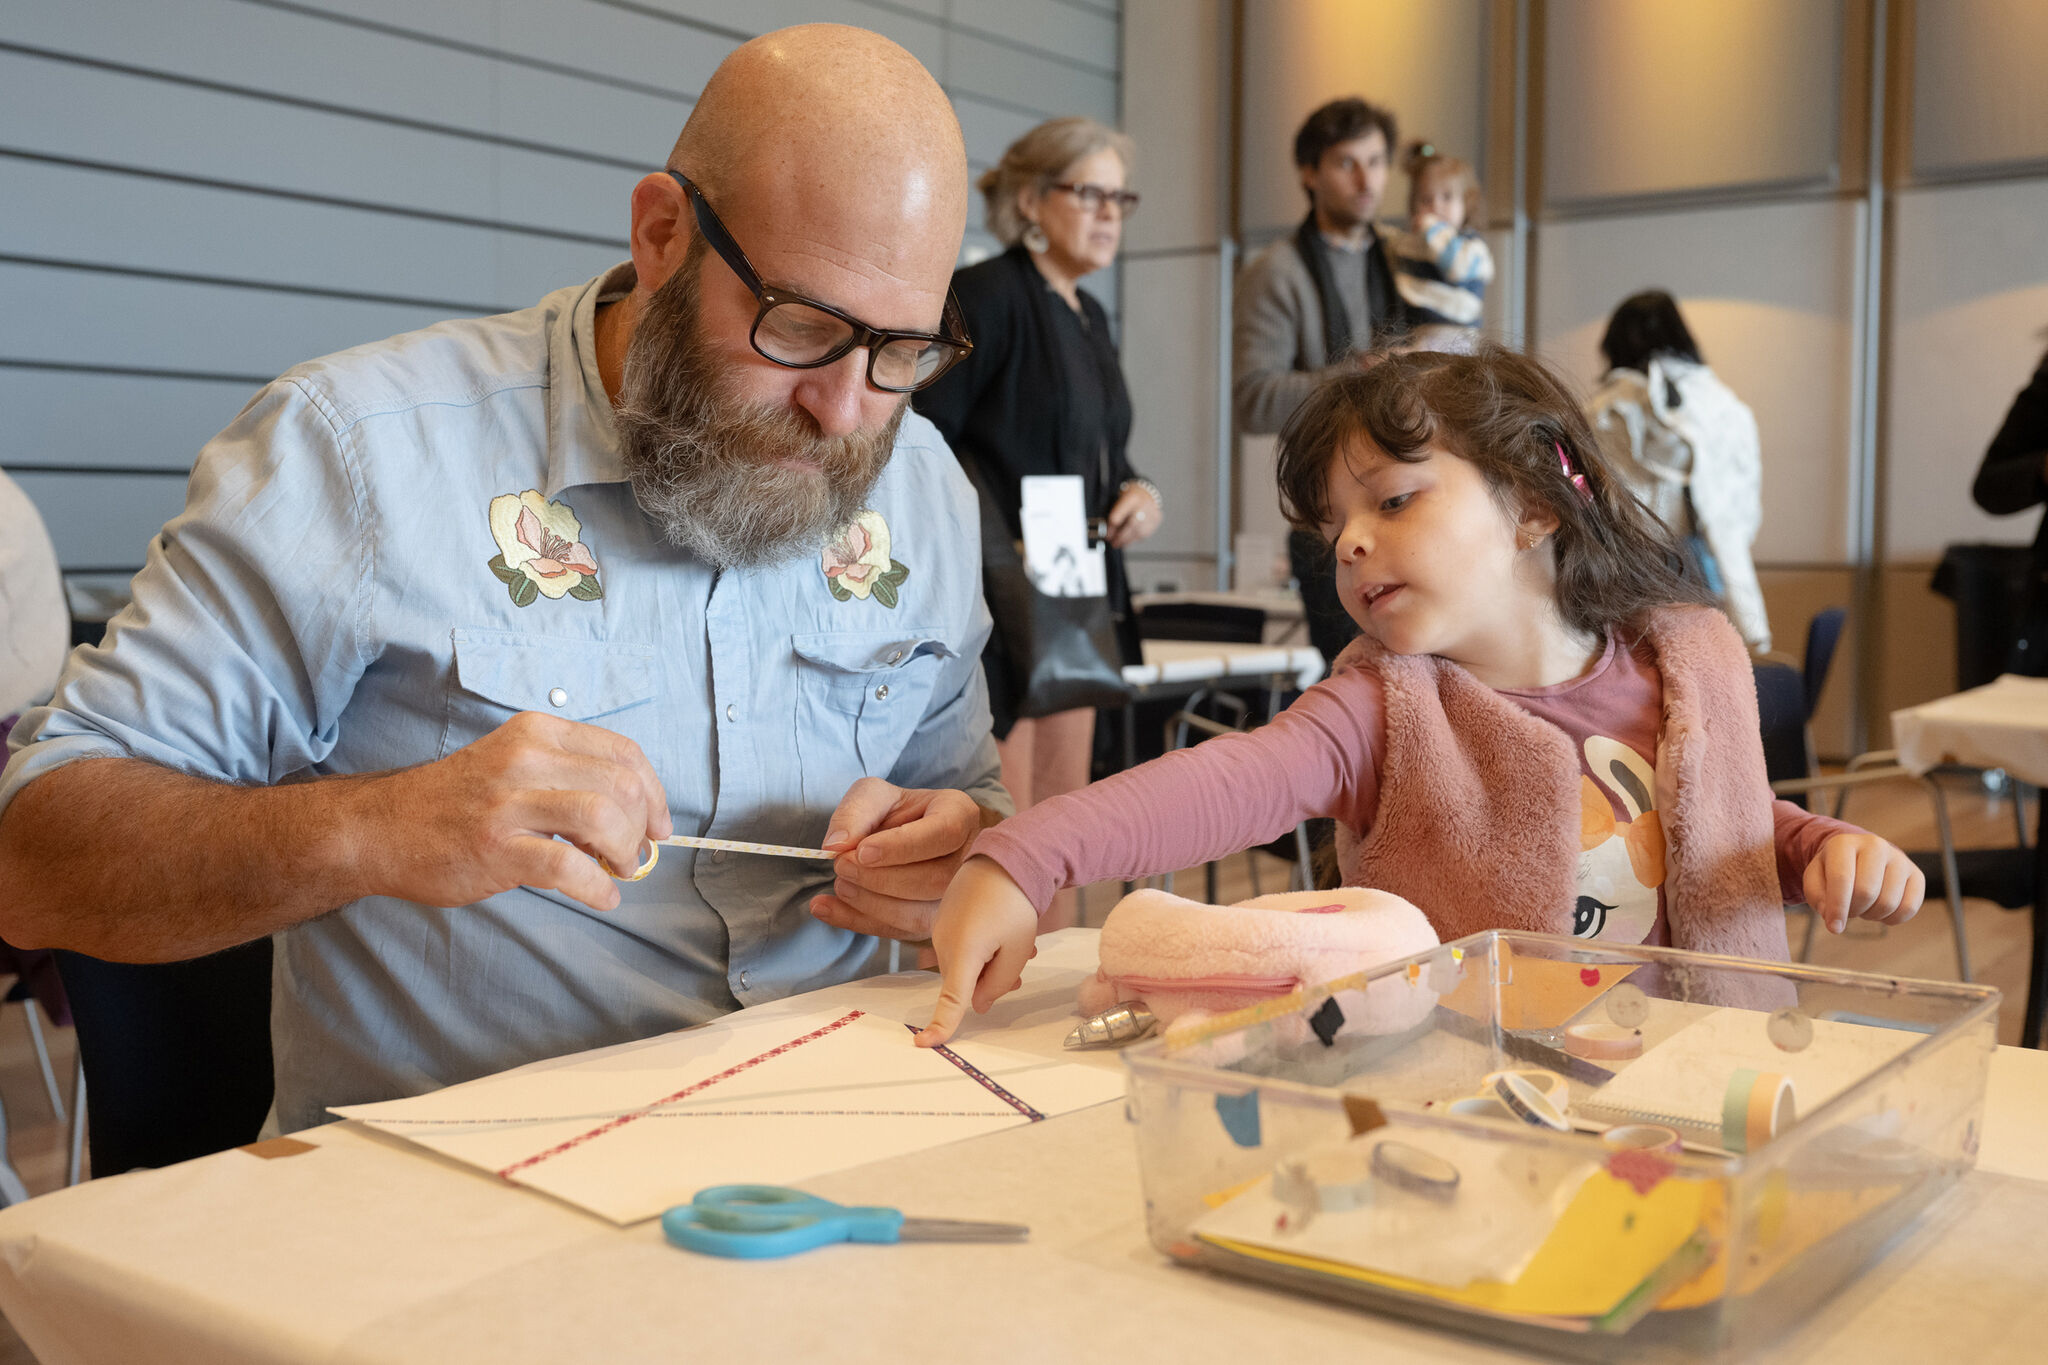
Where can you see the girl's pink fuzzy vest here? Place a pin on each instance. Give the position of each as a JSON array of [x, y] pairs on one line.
[[1478, 818]]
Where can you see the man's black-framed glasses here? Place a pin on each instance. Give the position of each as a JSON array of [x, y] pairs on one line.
[[804, 334]]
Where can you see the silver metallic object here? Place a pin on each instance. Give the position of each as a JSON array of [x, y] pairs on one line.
[[1125, 1022]]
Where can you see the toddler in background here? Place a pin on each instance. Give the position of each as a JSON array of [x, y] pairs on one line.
[[1546, 725], [1441, 265]]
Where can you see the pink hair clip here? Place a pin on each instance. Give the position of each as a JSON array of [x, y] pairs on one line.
[[1578, 479]]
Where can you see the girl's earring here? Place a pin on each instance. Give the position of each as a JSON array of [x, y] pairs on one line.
[[1035, 240]]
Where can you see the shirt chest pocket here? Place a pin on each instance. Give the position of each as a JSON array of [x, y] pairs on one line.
[[498, 674], [860, 695]]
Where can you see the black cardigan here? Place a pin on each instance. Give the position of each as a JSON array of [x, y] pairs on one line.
[[2012, 479], [1026, 400], [1038, 394]]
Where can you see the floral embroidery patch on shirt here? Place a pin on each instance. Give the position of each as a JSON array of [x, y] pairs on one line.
[[540, 550], [857, 562]]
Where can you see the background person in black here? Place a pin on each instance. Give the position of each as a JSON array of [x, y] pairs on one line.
[[1042, 393], [2014, 477]]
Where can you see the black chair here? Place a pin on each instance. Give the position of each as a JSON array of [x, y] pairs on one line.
[[1781, 713], [1202, 621], [175, 1056]]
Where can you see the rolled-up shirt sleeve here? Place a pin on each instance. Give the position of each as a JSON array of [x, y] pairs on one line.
[[245, 635]]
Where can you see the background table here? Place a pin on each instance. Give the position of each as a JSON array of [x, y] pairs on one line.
[[367, 1249], [2003, 724]]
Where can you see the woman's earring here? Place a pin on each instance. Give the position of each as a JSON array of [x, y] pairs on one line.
[[1035, 240]]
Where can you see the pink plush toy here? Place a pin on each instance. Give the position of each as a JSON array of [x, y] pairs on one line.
[[1180, 956]]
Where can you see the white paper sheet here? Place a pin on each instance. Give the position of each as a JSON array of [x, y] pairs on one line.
[[1057, 556], [773, 1100]]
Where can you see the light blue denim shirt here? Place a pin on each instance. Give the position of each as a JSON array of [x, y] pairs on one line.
[[336, 598]]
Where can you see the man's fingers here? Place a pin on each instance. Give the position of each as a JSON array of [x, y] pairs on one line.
[[551, 865], [860, 812], [949, 819], [909, 917], [913, 882], [567, 755], [841, 915], [591, 821]]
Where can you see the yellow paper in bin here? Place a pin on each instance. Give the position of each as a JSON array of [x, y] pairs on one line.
[[1608, 1240]]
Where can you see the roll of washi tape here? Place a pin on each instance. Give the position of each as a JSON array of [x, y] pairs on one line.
[[1756, 1107], [1414, 1170], [1482, 1107], [1342, 1179], [1603, 1041], [1555, 1088], [1528, 1102], [1643, 1137]]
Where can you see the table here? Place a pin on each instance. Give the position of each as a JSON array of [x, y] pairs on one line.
[[2003, 724], [366, 1249], [1282, 606], [1197, 661]]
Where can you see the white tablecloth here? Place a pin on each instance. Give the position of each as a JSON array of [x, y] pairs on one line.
[[367, 1249], [2003, 724]]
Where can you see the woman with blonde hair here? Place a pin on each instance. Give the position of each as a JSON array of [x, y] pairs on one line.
[[1042, 393]]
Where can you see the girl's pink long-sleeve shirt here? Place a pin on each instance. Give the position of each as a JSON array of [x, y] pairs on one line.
[[1322, 757]]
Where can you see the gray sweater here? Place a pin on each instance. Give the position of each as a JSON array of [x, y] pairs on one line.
[[1277, 354]]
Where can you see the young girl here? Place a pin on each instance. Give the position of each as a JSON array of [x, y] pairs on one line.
[[1546, 725], [1441, 267]]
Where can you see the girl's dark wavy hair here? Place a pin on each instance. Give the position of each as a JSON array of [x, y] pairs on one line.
[[1507, 414]]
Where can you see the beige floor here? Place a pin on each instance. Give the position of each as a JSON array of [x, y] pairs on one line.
[[1923, 948]]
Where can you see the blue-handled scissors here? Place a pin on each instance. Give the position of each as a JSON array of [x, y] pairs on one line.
[[758, 1221]]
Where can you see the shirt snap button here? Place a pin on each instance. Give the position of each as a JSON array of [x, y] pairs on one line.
[[882, 692], [746, 979], [896, 656], [557, 697], [731, 711]]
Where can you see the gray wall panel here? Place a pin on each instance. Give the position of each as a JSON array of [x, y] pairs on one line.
[[1019, 80], [100, 521], [111, 420], [624, 45], [88, 318], [60, 212], [136, 122], [1046, 26], [237, 45], [209, 192]]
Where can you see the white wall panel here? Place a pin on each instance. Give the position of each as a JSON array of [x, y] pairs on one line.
[[1169, 355], [1643, 99], [1424, 59], [1769, 292], [1979, 99], [1970, 312]]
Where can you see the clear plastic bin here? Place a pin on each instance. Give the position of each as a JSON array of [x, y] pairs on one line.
[[1780, 1127]]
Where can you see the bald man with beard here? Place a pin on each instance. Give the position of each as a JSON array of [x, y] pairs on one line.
[[456, 623]]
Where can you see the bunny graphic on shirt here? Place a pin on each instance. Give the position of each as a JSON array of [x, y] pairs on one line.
[[1621, 844]]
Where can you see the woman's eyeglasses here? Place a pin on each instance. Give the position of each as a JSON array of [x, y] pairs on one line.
[[1093, 197], [804, 334]]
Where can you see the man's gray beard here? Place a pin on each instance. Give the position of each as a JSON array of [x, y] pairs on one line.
[[705, 467]]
